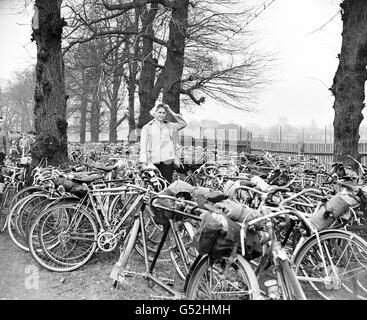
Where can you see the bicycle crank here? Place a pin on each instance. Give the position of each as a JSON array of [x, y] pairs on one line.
[[107, 241]]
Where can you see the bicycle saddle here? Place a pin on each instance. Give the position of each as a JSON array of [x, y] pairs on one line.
[[216, 196]]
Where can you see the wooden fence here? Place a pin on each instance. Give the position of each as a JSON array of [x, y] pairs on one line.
[[217, 147], [322, 151], [212, 149]]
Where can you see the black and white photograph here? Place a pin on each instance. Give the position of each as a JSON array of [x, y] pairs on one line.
[[182, 155]]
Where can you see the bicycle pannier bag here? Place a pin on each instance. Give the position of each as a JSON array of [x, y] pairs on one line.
[[333, 209], [207, 233], [162, 216]]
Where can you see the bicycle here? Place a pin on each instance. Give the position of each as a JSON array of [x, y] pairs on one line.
[[330, 264], [213, 270], [14, 181]]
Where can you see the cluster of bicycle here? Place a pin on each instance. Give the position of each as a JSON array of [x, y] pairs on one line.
[[240, 227]]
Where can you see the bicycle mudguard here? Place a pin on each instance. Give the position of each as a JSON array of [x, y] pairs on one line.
[[191, 271], [324, 232]]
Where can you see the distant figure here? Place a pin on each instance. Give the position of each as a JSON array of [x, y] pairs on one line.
[[24, 144], [13, 151], [4, 150], [157, 143], [14, 137]]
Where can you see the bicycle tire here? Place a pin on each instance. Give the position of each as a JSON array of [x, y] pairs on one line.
[[209, 267], [23, 193], [31, 216], [342, 250], [26, 209], [4, 207], [13, 229], [181, 267], [59, 261]]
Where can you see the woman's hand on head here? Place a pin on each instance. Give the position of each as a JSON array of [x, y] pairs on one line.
[[153, 111]]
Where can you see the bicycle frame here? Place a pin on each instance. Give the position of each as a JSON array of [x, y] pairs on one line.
[[149, 268]]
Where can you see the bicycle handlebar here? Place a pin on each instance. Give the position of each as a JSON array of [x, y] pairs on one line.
[[308, 190], [306, 223]]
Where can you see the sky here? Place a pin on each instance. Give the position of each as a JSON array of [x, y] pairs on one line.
[[298, 33], [306, 60], [17, 51]]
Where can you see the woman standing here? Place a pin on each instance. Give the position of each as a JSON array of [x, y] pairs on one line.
[[158, 140]]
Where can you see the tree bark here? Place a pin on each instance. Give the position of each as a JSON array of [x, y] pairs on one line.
[[95, 111], [133, 71], [348, 85], [175, 54], [83, 106], [148, 70], [50, 97], [116, 83]]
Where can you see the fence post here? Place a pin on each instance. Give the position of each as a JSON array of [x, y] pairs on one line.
[[226, 141], [205, 146], [215, 144]]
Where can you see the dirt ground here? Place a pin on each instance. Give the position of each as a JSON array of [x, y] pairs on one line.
[[21, 278]]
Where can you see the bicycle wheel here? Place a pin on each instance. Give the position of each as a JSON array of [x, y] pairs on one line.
[[13, 223], [4, 207], [25, 209], [125, 254], [63, 237], [209, 280], [182, 264], [334, 268], [23, 193]]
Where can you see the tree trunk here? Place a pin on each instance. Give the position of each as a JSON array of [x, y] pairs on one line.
[[148, 71], [24, 119], [83, 106], [116, 83], [112, 127], [95, 111], [133, 71], [348, 85], [175, 54], [50, 98]]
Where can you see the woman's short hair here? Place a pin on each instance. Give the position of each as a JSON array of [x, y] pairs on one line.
[[162, 106]]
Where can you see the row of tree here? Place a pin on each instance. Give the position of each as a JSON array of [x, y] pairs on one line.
[[16, 102], [121, 57]]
